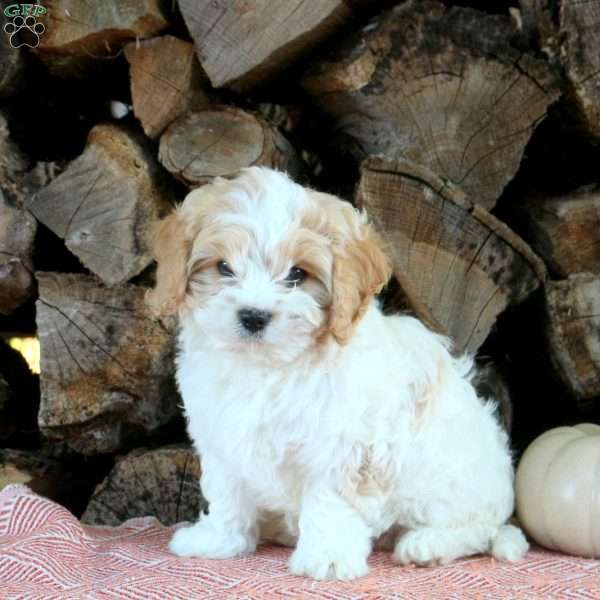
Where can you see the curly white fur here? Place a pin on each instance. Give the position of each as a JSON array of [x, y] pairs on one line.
[[313, 441]]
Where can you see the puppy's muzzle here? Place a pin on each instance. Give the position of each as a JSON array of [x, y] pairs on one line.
[[254, 320]]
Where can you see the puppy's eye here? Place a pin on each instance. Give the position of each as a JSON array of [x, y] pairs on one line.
[[224, 269], [295, 277]]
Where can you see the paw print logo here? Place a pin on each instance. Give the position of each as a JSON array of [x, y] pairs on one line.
[[24, 31]]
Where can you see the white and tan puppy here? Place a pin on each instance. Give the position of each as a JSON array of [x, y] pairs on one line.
[[320, 422]]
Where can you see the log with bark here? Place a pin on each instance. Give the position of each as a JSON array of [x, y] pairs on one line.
[[573, 332], [241, 43], [104, 203], [565, 230], [569, 32], [221, 141], [106, 367], [458, 265], [17, 234], [166, 81], [441, 87], [163, 483]]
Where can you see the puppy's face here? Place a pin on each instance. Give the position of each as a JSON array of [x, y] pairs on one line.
[[266, 267]]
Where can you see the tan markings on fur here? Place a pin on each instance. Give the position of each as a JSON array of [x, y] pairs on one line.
[[310, 251], [217, 242], [426, 401], [371, 479], [360, 267], [172, 242], [367, 482], [171, 250]]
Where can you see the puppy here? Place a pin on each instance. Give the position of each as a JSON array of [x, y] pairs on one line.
[[320, 422]]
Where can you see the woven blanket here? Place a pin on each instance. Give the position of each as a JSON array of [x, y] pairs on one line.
[[47, 554]]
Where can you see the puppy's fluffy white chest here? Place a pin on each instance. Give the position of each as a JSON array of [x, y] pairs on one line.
[[255, 420]]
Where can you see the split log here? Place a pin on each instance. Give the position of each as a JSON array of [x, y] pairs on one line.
[[241, 43], [457, 264], [166, 81], [162, 483], [441, 87], [95, 29], [573, 331], [104, 203], [568, 31], [221, 141], [17, 233], [106, 367], [565, 231]]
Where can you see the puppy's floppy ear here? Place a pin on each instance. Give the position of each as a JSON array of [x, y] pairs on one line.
[[171, 250], [360, 269]]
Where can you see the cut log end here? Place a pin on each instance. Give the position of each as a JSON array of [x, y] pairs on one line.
[[106, 367], [458, 266], [221, 141], [162, 483]]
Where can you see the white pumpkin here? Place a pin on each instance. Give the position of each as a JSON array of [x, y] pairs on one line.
[[558, 490]]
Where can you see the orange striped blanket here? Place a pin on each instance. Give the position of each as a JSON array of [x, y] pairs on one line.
[[47, 554]]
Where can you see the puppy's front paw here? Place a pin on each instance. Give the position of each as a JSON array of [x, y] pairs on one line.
[[336, 563], [209, 542]]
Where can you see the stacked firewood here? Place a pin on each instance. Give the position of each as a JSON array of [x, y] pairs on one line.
[[436, 118]]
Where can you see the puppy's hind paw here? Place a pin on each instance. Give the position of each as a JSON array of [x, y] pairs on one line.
[[431, 545], [509, 544]]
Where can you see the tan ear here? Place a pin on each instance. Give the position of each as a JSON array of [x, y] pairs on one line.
[[360, 269], [171, 250]]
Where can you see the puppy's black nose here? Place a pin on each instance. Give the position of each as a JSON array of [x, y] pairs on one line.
[[254, 320]]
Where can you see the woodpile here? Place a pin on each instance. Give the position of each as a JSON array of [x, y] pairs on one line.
[[448, 125]]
